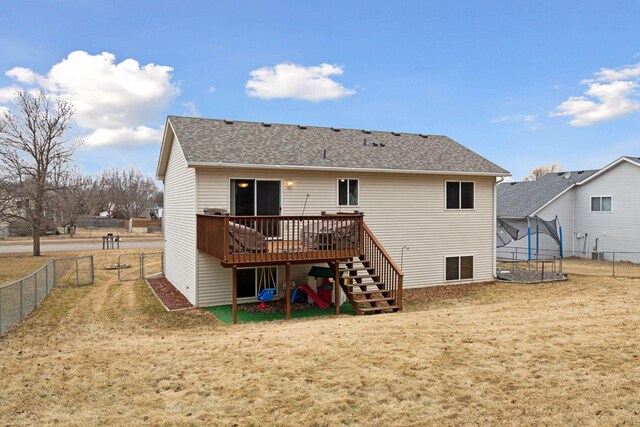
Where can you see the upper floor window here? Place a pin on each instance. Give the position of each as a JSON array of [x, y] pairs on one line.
[[601, 204], [347, 192], [460, 195]]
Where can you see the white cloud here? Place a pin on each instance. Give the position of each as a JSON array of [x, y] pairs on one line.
[[138, 135], [295, 81], [212, 89], [117, 102], [7, 94], [191, 110], [612, 93], [528, 119]]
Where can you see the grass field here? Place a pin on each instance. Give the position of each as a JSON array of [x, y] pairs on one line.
[[109, 354]]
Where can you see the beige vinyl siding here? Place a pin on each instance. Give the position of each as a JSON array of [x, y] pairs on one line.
[[401, 209], [179, 223], [615, 230]]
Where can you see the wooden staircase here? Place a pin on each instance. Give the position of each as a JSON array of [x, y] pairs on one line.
[[372, 282]]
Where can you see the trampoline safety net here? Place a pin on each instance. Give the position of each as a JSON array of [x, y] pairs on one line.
[[532, 229]]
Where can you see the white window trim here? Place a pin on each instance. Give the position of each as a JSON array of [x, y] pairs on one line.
[[600, 211], [460, 209], [338, 193], [444, 264]]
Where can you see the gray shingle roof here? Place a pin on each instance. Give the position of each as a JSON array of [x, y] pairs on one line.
[[219, 141], [520, 199]]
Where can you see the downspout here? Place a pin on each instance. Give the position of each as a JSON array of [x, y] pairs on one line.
[[573, 220], [495, 220]]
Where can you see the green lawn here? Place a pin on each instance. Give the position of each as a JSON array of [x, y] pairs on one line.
[[223, 313]]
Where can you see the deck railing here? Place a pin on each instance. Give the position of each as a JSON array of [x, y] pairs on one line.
[[279, 239], [390, 273]]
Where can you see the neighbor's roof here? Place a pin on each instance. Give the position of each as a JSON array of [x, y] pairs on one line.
[[520, 199], [212, 142]]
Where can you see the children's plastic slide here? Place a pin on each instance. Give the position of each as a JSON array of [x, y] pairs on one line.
[[307, 290]]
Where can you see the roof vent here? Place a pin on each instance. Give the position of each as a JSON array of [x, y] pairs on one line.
[[382, 144], [335, 129], [368, 132], [365, 142], [395, 133], [375, 144], [560, 173], [301, 127], [267, 125], [580, 172], [324, 154], [424, 136], [513, 183], [229, 122]]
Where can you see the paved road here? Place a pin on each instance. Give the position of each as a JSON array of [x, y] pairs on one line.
[[60, 247]]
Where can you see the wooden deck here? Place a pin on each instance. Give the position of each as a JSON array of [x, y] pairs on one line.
[[273, 240]]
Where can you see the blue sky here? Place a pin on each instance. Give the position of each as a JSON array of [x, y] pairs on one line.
[[488, 74]]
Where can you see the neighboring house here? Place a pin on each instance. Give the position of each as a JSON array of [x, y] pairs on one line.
[[155, 211], [427, 193], [599, 210]]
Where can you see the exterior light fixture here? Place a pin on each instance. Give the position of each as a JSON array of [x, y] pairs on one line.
[[243, 184], [290, 185]]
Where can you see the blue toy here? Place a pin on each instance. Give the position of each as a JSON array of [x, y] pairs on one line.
[[265, 295]]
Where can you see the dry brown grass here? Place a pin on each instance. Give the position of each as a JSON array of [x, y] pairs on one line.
[[17, 266], [563, 353]]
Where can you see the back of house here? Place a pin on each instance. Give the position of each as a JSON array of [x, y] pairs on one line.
[[426, 200]]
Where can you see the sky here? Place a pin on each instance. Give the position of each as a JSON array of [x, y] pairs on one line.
[[523, 84]]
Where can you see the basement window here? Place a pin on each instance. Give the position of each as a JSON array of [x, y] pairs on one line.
[[347, 192], [601, 204], [459, 194], [458, 268]]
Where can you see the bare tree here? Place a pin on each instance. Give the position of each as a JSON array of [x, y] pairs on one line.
[[537, 173], [74, 195], [33, 154], [128, 191]]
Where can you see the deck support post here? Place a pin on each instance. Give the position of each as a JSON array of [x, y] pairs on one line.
[[234, 293], [288, 289], [336, 286]]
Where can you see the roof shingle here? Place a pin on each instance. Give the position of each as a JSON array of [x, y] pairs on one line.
[[235, 142]]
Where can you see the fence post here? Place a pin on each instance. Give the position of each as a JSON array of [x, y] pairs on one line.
[[21, 302], [55, 273], [119, 265], [162, 262], [35, 288], [1, 311], [93, 277], [46, 278], [77, 274], [142, 265], [614, 264]]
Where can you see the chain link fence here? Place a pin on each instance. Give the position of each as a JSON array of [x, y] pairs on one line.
[[18, 299], [139, 265], [590, 263]]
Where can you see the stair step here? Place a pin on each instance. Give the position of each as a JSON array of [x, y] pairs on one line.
[[356, 269], [370, 300], [378, 291], [353, 285], [373, 309], [361, 276]]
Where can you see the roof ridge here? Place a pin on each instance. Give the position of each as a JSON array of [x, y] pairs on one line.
[[304, 125]]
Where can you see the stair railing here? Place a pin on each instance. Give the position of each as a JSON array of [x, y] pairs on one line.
[[390, 273]]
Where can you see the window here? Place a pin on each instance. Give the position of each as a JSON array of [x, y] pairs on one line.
[[601, 204], [458, 268], [347, 192], [459, 195]]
